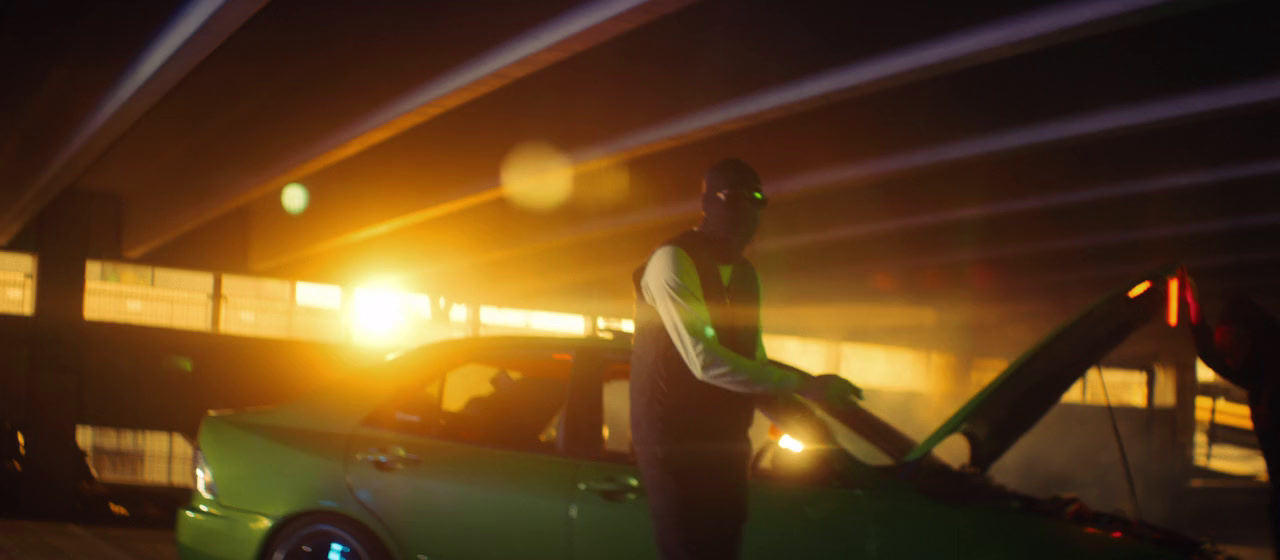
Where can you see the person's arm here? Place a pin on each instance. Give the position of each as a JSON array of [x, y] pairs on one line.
[[1202, 334], [761, 354], [671, 284]]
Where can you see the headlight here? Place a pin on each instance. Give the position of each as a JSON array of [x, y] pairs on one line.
[[204, 477], [790, 444]]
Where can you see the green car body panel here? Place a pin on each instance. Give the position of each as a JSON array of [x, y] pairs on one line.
[[433, 498]]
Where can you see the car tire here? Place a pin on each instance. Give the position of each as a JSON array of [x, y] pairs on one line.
[[320, 536]]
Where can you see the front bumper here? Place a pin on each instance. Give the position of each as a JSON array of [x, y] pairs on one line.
[[207, 531]]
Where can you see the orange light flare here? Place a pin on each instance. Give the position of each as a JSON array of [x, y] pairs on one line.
[[1172, 315], [1139, 289]]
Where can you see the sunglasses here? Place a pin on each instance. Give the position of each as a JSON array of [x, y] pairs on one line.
[[754, 198]]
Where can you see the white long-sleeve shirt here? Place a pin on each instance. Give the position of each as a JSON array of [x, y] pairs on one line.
[[672, 286]]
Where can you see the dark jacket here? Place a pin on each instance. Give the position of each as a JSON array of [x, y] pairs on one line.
[[670, 406]]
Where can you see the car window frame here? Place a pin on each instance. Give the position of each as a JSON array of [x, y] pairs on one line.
[[436, 366]]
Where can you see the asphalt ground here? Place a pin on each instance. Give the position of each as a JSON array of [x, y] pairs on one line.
[[44, 540]]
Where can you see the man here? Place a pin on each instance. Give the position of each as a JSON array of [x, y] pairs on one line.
[[1244, 349], [698, 364]]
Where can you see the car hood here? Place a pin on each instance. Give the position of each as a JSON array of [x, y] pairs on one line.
[[998, 415]]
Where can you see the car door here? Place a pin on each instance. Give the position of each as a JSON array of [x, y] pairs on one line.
[[610, 512], [465, 463], [793, 512]]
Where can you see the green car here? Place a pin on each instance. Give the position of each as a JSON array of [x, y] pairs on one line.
[[493, 448]]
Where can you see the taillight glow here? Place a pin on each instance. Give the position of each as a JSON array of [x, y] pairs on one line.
[[1139, 289], [1172, 315]]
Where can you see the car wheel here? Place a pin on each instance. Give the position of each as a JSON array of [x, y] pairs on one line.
[[324, 537]]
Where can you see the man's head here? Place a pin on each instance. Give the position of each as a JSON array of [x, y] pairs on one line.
[[1240, 329], [731, 203]]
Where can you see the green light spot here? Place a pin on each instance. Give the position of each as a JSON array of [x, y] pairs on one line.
[[182, 363], [710, 332], [295, 197], [759, 195]]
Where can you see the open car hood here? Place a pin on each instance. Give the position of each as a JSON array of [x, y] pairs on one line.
[[998, 415]]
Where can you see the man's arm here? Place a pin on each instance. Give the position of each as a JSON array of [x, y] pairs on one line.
[[671, 284], [1202, 334]]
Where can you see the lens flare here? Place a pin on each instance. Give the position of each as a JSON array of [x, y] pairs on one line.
[[295, 198], [536, 176]]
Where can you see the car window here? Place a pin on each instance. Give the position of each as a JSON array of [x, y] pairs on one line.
[[501, 402], [617, 420]]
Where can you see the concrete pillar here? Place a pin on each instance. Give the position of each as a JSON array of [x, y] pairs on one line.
[[74, 227], [1185, 412]]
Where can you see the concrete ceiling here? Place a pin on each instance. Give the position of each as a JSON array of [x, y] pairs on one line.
[[940, 171]]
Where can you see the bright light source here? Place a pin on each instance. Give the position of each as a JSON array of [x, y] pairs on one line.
[[616, 324], [1139, 289], [790, 444], [536, 176], [1172, 315], [378, 317], [458, 313], [295, 198]]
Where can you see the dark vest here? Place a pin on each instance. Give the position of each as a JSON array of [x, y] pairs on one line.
[[669, 405]]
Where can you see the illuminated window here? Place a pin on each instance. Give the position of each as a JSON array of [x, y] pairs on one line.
[[505, 320], [809, 354], [17, 283], [1125, 387], [616, 324], [148, 457], [320, 296], [256, 306], [1224, 440], [274, 308], [146, 295], [317, 312], [888, 367]]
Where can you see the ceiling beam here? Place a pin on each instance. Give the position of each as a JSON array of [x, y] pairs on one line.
[[1073, 127], [1194, 179], [194, 32], [565, 35], [1215, 176], [977, 45], [1207, 227]]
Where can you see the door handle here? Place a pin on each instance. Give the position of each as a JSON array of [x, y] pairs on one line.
[[388, 459], [614, 489]]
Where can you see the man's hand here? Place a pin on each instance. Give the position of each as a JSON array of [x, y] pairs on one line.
[[828, 388]]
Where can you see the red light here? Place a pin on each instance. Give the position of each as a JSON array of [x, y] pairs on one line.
[[1172, 316], [1117, 534]]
